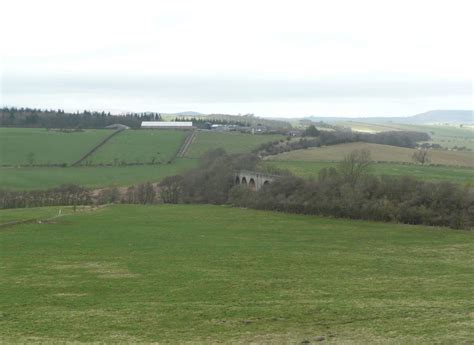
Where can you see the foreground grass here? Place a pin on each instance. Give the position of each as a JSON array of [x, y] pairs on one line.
[[208, 274], [45, 178], [232, 142], [428, 173], [18, 145], [140, 146]]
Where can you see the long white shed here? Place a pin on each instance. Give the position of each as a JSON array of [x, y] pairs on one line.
[[167, 124]]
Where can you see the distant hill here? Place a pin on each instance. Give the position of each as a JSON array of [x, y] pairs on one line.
[[451, 116], [433, 116], [187, 113]]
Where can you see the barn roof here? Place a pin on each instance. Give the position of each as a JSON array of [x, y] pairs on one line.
[[165, 124]]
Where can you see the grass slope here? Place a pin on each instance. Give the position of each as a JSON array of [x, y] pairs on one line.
[[45, 178], [231, 142], [140, 146], [48, 147], [429, 173], [384, 153], [211, 274]]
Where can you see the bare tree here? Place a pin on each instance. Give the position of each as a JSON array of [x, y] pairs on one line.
[[170, 189], [355, 165], [421, 156]]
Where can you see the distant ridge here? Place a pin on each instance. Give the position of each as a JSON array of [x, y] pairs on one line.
[[185, 113], [429, 117]]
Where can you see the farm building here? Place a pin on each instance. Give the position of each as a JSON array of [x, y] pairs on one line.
[[167, 124]]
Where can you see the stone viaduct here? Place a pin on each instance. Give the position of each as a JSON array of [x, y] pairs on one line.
[[254, 180]]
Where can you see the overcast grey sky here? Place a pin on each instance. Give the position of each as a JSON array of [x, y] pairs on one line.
[[271, 58]]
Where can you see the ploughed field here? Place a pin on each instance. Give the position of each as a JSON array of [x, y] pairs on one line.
[[207, 274]]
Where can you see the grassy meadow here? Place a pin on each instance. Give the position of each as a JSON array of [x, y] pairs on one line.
[[140, 146], [381, 153], [232, 142], [209, 274], [19, 145], [90, 176], [427, 172]]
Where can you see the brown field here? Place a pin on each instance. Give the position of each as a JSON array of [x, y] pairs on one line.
[[380, 153]]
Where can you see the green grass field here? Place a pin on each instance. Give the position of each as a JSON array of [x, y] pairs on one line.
[[45, 178], [140, 146], [429, 173], [213, 274], [46, 147], [231, 142], [380, 153]]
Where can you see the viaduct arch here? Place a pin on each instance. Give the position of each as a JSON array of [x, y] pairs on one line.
[[254, 180]]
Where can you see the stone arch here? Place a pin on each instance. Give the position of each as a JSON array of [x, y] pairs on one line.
[[244, 180], [237, 180], [266, 182], [252, 184]]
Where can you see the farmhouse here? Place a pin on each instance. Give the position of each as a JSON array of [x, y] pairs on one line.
[[167, 124]]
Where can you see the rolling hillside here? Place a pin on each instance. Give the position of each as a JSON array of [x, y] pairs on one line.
[[22, 146], [213, 274], [381, 153]]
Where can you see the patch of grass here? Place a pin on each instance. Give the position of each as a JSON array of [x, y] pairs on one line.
[[209, 274], [20, 214], [140, 146], [24, 146], [229, 141], [434, 173], [45, 178], [383, 153]]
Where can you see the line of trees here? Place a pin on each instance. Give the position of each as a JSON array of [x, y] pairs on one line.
[[38, 118], [315, 138], [74, 195], [348, 191]]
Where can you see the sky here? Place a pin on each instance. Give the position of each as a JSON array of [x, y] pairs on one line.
[[270, 58]]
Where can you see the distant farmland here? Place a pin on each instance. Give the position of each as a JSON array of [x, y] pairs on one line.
[[22, 146], [140, 146], [383, 153], [230, 141], [49, 177], [446, 135], [214, 274], [429, 173]]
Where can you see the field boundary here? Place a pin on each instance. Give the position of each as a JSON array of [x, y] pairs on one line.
[[186, 144], [96, 147]]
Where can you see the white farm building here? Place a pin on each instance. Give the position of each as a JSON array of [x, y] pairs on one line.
[[167, 124]]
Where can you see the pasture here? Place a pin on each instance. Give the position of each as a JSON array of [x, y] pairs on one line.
[[232, 142], [429, 173], [25, 146], [89, 176], [209, 274], [139, 146], [380, 153]]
